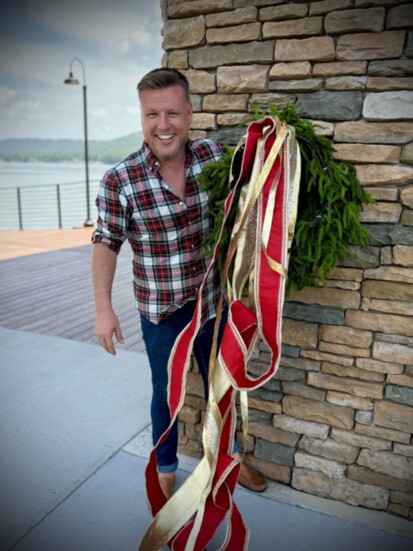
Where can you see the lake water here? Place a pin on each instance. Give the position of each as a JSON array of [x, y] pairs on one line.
[[42, 186]]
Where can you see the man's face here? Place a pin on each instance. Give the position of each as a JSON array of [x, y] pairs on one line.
[[166, 116]]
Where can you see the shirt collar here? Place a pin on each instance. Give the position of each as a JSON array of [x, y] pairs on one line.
[[154, 163], [151, 159]]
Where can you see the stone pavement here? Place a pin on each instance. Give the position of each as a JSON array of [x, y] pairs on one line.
[[75, 435]]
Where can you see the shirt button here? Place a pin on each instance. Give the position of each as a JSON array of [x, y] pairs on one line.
[[192, 246]]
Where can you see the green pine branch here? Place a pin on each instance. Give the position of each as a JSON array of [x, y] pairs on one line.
[[330, 201]]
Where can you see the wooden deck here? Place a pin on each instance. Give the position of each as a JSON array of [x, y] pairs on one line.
[[51, 293], [20, 243]]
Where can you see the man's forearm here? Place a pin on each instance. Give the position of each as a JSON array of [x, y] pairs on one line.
[[103, 272]]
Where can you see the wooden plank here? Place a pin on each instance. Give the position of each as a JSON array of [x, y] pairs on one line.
[[51, 293], [14, 244]]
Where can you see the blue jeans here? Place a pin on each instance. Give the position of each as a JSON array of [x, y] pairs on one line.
[[159, 340]]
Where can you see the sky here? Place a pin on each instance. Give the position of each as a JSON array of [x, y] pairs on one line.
[[118, 41]]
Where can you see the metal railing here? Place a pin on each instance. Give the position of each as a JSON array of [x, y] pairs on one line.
[[48, 206]]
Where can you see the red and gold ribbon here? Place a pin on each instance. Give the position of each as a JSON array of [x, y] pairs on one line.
[[258, 254]]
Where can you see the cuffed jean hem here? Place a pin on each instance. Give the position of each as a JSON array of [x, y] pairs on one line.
[[168, 468]]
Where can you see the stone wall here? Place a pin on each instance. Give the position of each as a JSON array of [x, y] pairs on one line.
[[337, 419]]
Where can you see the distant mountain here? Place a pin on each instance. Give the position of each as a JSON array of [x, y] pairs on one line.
[[34, 149]]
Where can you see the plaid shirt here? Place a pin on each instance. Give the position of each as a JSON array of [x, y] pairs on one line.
[[165, 233]]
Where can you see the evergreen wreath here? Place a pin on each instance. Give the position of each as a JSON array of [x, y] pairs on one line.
[[330, 200]]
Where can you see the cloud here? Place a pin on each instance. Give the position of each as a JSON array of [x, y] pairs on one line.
[[134, 111], [118, 43], [123, 46], [118, 27], [19, 116], [143, 37], [6, 94], [24, 110], [98, 112], [11, 107]]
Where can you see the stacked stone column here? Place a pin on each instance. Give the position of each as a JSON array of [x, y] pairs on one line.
[[337, 419]]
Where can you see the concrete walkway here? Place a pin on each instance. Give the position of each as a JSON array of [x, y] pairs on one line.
[[75, 435]]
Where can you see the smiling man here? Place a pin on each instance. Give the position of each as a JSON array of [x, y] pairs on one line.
[[153, 199]]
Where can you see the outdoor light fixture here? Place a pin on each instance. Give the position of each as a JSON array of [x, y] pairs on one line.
[[74, 81]]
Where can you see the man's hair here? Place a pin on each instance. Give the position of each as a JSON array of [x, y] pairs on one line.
[[162, 78]]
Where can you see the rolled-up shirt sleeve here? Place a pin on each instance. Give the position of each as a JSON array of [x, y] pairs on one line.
[[111, 204]]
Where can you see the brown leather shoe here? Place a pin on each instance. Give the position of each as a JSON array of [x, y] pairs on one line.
[[251, 480], [167, 483]]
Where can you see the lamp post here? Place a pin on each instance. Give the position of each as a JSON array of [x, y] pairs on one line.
[[73, 81]]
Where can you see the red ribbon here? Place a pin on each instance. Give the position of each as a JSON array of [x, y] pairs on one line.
[[241, 331]]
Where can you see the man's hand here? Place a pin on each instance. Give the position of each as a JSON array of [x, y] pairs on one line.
[[107, 324], [103, 271]]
